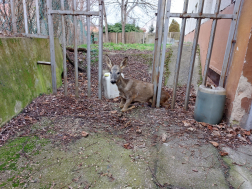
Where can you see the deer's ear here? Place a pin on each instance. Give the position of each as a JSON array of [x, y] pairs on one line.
[[108, 62], [124, 63]]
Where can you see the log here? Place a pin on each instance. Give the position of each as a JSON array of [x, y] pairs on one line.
[[79, 49], [71, 62]]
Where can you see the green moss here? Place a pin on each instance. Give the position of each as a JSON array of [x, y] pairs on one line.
[[21, 79], [200, 68], [10, 152]]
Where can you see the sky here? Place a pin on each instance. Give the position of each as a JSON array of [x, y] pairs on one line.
[[145, 21]]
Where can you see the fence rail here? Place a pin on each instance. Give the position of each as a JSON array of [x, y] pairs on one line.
[[29, 18]]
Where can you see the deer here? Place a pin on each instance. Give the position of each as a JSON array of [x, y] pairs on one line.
[[132, 90]]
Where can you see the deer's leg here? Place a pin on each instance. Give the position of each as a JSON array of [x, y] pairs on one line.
[[123, 100], [126, 105]]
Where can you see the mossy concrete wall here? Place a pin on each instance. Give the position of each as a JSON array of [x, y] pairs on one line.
[[21, 78]]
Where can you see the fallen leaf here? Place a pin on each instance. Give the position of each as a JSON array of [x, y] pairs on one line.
[[242, 139], [195, 170], [229, 135], [246, 133], [164, 137], [116, 99], [216, 133], [84, 133], [210, 127], [186, 123], [223, 153], [138, 131], [203, 124], [215, 144], [113, 112], [128, 146], [191, 129]]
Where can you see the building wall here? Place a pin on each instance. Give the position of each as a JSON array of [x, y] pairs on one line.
[[220, 41], [239, 83], [209, 7]]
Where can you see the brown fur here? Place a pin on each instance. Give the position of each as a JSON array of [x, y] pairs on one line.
[[132, 90]]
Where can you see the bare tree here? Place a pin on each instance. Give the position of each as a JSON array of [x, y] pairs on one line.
[[106, 24], [127, 10]]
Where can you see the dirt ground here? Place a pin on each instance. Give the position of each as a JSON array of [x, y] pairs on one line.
[[58, 124]]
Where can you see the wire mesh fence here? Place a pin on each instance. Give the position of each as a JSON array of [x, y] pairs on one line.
[[13, 23]]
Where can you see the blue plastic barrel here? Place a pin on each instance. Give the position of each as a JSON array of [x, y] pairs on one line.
[[210, 104]]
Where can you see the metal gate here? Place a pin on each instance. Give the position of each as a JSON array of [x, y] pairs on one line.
[[75, 13], [163, 23]]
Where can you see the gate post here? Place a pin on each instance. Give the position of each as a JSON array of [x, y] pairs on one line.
[[100, 46], [52, 52]]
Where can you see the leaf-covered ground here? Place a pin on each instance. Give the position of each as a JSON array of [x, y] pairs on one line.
[[106, 113], [62, 120]]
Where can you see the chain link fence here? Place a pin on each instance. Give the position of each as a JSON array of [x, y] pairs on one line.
[[15, 27]]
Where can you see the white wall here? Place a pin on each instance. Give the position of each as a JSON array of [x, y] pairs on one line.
[[209, 7]]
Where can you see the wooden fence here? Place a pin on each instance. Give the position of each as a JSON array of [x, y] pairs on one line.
[[137, 37]]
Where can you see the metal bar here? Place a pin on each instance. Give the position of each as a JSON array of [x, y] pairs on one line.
[[194, 49], [13, 17], [181, 39], [234, 40], [156, 59], [34, 35], [211, 41], [37, 16], [75, 12], [229, 44], [25, 17], [168, 5], [64, 48], [88, 50], [52, 51], [156, 40], [100, 46], [202, 16], [75, 52], [42, 62]]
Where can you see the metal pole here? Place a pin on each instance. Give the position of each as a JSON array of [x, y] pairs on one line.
[[88, 50], [211, 40], [194, 49], [100, 46], [64, 48], [13, 17], [156, 60], [234, 40], [37, 16], [229, 44], [163, 51], [75, 52], [156, 39], [181, 39], [52, 51], [25, 17]]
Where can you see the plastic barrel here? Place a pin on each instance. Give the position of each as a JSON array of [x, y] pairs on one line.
[[210, 104]]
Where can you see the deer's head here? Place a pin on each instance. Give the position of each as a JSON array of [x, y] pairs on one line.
[[115, 70]]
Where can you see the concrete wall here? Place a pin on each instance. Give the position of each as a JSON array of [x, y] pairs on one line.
[[21, 78]]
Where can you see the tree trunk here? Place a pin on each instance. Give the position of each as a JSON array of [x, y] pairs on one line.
[[123, 23], [106, 24]]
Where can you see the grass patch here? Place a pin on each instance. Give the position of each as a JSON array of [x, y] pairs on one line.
[[121, 46], [166, 65]]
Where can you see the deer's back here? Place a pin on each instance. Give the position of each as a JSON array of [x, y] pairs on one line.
[[138, 90]]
